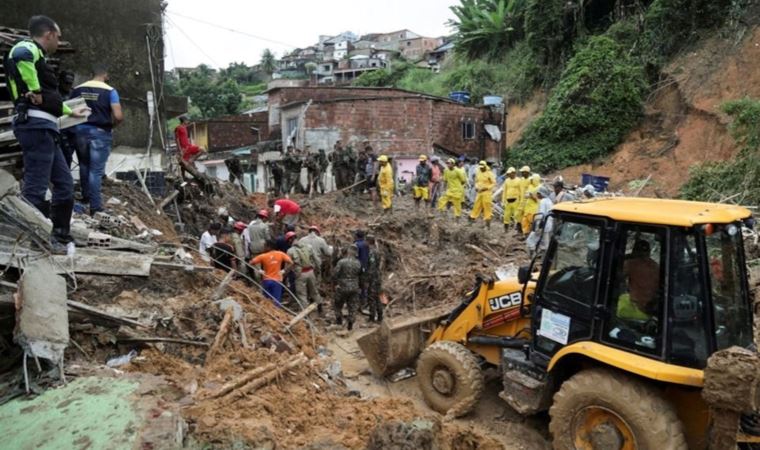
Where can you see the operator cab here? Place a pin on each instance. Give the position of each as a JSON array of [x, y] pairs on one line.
[[664, 279]]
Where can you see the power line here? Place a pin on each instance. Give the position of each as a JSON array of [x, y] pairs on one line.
[[193, 42], [231, 30]]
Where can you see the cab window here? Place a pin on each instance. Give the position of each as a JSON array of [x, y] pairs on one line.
[[637, 289], [731, 312], [573, 271]]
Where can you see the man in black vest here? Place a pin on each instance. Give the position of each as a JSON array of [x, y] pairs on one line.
[[94, 139], [33, 86]]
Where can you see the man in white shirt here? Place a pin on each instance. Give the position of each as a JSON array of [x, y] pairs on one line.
[[208, 238]]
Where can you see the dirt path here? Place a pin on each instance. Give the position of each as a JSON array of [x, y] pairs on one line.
[[492, 417]]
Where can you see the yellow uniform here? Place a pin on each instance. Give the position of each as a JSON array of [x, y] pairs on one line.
[[531, 205], [484, 184], [385, 182], [455, 180], [524, 184], [511, 197]]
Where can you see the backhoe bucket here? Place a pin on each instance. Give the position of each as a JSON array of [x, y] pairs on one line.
[[395, 344]]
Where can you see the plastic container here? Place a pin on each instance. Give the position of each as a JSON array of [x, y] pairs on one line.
[[460, 96], [492, 100], [599, 183]]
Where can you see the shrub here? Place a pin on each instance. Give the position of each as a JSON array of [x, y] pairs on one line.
[[597, 100]]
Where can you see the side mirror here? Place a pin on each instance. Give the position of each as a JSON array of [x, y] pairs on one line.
[[523, 274]]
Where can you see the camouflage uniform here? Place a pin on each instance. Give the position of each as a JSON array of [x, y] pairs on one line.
[[347, 290], [277, 177], [303, 266], [374, 286], [315, 174], [292, 179]]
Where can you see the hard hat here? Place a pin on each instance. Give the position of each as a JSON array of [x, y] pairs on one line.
[[536, 178], [462, 158], [524, 169], [451, 161], [382, 158], [423, 158], [263, 213], [483, 164], [290, 235], [314, 228], [240, 226], [511, 170]]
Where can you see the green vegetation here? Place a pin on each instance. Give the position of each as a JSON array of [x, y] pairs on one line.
[[597, 61], [597, 100], [211, 94], [738, 179]]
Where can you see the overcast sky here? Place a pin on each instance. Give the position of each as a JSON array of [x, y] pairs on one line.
[[284, 25]]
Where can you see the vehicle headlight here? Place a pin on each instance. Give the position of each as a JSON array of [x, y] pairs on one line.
[[732, 230]]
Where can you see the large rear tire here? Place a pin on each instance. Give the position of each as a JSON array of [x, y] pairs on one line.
[[600, 408], [450, 378]]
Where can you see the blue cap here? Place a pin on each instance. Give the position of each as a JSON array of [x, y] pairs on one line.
[[462, 158]]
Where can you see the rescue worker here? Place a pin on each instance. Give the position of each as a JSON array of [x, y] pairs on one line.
[[278, 175], [511, 198], [346, 277], [374, 281], [524, 183], [222, 253], [33, 87], [313, 172], [363, 255], [337, 159], [531, 203], [322, 251], [292, 165], [274, 264], [258, 233], [436, 181], [304, 264], [208, 238], [286, 211], [484, 184], [560, 193], [385, 183], [239, 245], [188, 152], [642, 274], [541, 230], [322, 162], [421, 181], [455, 181]]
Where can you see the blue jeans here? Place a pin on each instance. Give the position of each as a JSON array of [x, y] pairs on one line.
[[44, 164], [273, 290], [93, 149]]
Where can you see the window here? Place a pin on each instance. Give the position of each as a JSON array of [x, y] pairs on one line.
[[731, 313], [468, 130], [408, 43], [292, 126], [637, 283], [574, 263], [688, 340]]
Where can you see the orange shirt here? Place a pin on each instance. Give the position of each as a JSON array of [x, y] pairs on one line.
[[272, 263]]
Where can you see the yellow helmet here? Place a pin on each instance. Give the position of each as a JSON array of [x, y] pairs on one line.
[[511, 170], [535, 179], [524, 169], [483, 164], [451, 161], [382, 158], [423, 157]]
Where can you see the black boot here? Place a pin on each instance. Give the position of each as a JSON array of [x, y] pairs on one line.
[[506, 227], [339, 320], [350, 325], [380, 315], [518, 227], [60, 215], [320, 310]]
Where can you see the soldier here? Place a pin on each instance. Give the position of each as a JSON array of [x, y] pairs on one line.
[[374, 282], [304, 263], [292, 164], [322, 162], [337, 163], [277, 177], [314, 173], [346, 279], [350, 165]]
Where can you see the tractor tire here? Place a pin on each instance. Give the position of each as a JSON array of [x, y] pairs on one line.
[[601, 408], [450, 378]]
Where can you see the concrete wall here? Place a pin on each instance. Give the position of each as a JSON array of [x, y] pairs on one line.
[[113, 32]]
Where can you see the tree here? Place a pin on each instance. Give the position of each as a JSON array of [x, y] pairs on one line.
[[211, 93], [268, 62], [487, 28]]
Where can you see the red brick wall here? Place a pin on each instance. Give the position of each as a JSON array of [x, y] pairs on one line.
[[401, 126]]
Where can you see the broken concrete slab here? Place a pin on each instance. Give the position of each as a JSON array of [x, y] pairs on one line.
[[18, 212], [94, 412], [42, 322], [91, 261]]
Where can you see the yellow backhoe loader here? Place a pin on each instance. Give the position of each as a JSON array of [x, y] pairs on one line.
[[611, 335]]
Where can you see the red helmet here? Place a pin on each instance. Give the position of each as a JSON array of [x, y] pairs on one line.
[[263, 213], [240, 226], [315, 228], [290, 235]]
